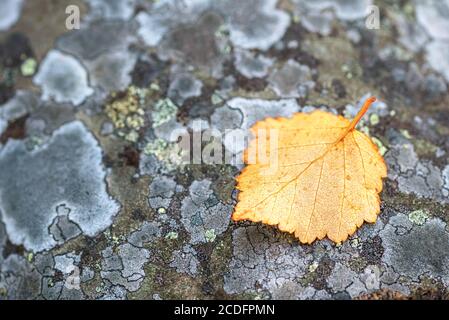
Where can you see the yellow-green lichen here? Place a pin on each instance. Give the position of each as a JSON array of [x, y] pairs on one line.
[[374, 119], [210, 235], [380, 145], [28, 67], [355, 242], [424, 147], [168, 153], [405, 133], [351, 70], [418, 217], [172, 235], [127, 114], [30, 256], [313, 266], [216, 99], [163, 111], [154, 86], [222, 31], [364, 129]]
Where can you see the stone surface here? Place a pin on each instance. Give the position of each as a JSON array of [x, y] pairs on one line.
[[99, 200]]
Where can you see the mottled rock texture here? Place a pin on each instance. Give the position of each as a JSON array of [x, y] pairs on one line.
[[98, 199]]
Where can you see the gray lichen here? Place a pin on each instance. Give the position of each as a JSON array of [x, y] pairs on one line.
[[421, 178], [184, 86], [251, 65], [66, 171], [344, 9], [202, 211], [185, 261], [266, 26], [99, 37], [161, 192], [292, 80], [124, 268], [63, 79], [9, 13], [111, 9], [418, 250], [262, 258]]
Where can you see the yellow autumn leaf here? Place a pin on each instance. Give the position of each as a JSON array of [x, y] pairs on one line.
[[327, 178]]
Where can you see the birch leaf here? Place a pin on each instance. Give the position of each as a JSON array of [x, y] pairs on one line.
[[327, 180]]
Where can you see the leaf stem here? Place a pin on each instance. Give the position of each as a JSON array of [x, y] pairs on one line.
[[365, 107]]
